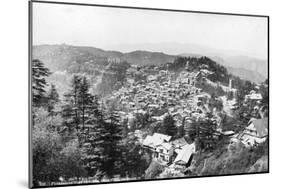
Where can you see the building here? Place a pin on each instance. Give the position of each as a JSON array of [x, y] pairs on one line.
[[184, 155], [164, 152], [253, 96], [160, 147], [255, 133]]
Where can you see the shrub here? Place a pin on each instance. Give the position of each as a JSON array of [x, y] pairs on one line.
[[153, 170]]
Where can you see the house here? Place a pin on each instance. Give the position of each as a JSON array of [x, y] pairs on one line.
[[155, 140], [256, 132], [253, 96], [160, 147], [163, 152], [184, 155]]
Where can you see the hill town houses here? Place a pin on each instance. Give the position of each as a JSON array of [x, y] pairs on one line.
[[185, 102], [168, 151]]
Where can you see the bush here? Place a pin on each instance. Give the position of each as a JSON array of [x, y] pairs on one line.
[[153, 170], [237, 159], [52, 158], [45, 150], [71, 161]]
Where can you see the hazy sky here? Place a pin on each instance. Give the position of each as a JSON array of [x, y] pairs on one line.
[[109, 28]]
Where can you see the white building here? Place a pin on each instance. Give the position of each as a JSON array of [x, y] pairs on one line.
[[184, 155], [253, 96], [160, 146], [256, 132]]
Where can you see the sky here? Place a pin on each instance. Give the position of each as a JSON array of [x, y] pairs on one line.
[[131, 29]]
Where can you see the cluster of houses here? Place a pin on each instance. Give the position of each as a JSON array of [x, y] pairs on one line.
[[179, 152], [178, 97], [160, 91], [169, 152]]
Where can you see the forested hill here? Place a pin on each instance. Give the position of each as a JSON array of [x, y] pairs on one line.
[[91, 60], [65, 57]]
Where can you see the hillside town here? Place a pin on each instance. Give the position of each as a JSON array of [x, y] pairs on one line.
[[122, 94], [161, 93], [181, 119]]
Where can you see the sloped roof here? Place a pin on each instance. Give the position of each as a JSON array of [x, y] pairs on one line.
[[160, 136], [179, 142], [148, 141], [261, 126], [156, 139], [185, 154], [166, 145]]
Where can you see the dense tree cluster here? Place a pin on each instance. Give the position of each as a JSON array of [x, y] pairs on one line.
[[76, 137], [168, 126], [203, 132]]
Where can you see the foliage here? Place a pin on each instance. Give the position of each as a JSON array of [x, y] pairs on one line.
[[230, 95], [92, 147], [153, 170], [79, 105], [215, 103], [52, 98], [88, 138], [46, 145], [133, 157], [178, 64], [52, 158], [71, 161], [102, 146], [220, 73], [238, 160], [39, 73], [168, 126], [112, 162], [265, 93], [204, 133], [142, 120], [42, 119], [181, 131]]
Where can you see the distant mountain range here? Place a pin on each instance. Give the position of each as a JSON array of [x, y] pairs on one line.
[[71, 58], [228, 58]]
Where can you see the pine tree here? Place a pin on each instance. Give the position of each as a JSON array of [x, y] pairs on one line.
[[79, 105], [112, 144], [82, 113], [53, 99], [181, 131], [86, 103], [204, 133], [71, 108], [134, 164], [169, 127], [39, 72], [94, 145], [102, 147]]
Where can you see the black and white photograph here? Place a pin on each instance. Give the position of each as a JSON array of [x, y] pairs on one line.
[[122, 94]]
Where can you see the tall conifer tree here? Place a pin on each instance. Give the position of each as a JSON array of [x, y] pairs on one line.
[[39, 73]]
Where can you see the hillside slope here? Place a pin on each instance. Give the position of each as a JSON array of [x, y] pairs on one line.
[[77, 59]]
